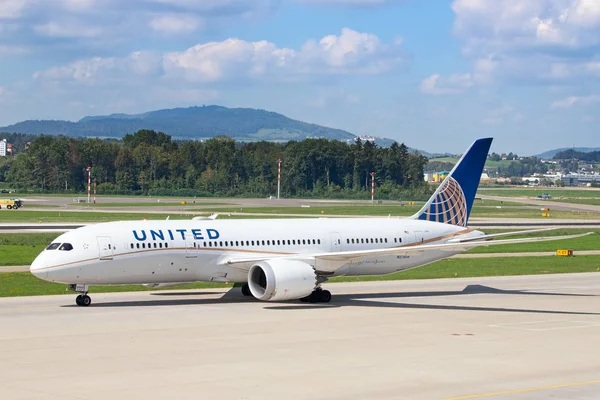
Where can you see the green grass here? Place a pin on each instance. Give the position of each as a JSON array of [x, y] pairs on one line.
[[533, 192], [358, 210], [591, 242], [25, 284], [148, 204], [479, 210], [464, 268], [22, 248], [84, 216], [590, 201]]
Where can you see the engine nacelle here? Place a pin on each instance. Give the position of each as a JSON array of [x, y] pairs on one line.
[[164, 285], [278, 280]]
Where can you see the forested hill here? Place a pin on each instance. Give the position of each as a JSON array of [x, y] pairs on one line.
[[241, 124], [149, 162], [553, 153]]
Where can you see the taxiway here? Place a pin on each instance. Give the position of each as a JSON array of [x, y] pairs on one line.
[[528, 337]]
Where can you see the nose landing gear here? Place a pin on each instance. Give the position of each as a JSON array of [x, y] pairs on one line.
[[83, 299]]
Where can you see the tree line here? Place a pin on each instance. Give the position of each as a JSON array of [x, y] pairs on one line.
[[151, 163], [570, 154]]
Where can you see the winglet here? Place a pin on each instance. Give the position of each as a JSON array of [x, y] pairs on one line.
[[453, 200]]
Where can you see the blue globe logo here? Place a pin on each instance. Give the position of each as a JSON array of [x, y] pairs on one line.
[[449, 205]]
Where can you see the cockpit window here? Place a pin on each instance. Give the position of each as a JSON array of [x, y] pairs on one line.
[[53, 246], [66, 247]]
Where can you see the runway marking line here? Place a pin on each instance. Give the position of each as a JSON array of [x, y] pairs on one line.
[[533, 389]]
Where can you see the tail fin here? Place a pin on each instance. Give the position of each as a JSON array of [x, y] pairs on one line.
[[452, 201]]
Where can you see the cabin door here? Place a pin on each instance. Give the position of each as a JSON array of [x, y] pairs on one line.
[[336, 242], [191, 245], [105, 247], [419, 237]]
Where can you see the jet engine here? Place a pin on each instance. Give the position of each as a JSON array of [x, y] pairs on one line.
[[278, 280]]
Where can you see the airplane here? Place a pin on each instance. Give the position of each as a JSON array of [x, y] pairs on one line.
[[274, 259]]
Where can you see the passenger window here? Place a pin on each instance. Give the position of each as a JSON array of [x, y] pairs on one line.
[[319, 241], [132, 245], [66, 247], [137, 245], [371, 240], [376, 241], [385, 240], [166, 245], [160, 245]]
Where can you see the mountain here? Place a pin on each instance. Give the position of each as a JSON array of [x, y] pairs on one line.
[[552, 153], [242, 124]]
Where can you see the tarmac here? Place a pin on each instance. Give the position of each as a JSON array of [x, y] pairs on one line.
[[526, 337]]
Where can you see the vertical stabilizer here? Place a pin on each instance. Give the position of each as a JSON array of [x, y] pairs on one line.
[[452, 201]]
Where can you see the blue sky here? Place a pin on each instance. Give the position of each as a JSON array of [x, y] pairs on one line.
[[434, 74]]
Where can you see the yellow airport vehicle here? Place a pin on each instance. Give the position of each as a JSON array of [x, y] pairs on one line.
[[564, 253], [11, 204], [545, 214]]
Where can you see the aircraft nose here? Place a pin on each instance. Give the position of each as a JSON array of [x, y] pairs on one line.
[[37, 268]]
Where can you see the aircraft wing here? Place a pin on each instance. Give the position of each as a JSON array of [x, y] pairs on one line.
[[329, 262], [495, 235]]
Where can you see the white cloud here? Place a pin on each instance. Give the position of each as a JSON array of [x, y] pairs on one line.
[[12, 8], [68, 30], [571, 101], [12, 50], [173, 24], [350, 52], [98, 26], [454, 84], [347, 2], [534, 41]]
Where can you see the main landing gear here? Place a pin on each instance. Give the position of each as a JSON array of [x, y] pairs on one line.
[[317, 296], [246, 290], [83, 299]]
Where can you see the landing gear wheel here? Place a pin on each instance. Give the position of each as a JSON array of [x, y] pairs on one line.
[[86, 300], [246, 290], [324, 296], [83, 300], [317, 296]]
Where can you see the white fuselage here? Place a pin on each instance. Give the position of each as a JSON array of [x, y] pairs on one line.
[[167, 251]]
